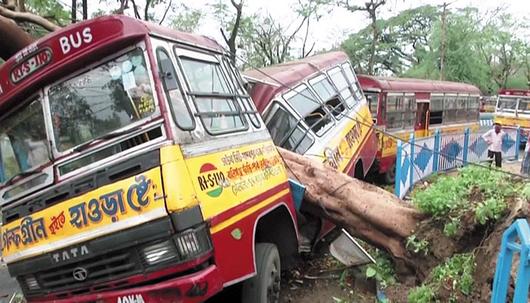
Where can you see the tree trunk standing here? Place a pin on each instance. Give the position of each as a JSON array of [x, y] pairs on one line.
[[12, 38], [375, 36], [231, 41], [85, 9], [74, 11], [442, 47]]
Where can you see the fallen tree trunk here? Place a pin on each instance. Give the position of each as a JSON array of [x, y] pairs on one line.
[[12, 38], [381, 219], [366, 211]]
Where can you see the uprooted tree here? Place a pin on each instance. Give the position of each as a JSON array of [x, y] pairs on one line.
[[459, 220], [419, 239]]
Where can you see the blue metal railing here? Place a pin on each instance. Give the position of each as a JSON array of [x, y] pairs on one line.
[[516, 239]]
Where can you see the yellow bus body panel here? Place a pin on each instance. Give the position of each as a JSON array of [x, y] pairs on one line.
[[103, 211]]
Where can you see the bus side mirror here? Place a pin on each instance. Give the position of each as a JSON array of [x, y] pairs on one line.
[[167, 75]]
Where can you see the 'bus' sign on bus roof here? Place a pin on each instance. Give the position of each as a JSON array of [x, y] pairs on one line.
[[30, 65]]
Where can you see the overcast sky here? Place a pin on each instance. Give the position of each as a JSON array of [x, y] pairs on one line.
[[334, 27]]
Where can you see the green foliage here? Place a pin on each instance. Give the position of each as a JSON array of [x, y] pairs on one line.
[[475, 189], [451, 227], [485, 50], [525, 193], [187, 19], [417, 246], [382, 271], [491, 209], [455, 274], [422, 294], [442, 197]]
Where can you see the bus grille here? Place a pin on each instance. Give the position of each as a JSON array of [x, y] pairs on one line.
[[110, 266]]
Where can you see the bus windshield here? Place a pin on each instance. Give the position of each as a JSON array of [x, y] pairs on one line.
[[524, 106], [101, 100], [506, 104], [23, 143]]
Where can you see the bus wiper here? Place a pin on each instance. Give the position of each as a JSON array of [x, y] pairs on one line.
[[21, 176], [108, 136]]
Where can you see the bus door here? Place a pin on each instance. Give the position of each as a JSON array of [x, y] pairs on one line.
[[422, 114]]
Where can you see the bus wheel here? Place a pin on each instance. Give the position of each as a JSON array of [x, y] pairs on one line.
[[390, 175], [264, 287]]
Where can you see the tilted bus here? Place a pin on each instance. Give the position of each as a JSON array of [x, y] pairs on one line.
[[402, 106], [315, 107], [135, 168], [513, 110]]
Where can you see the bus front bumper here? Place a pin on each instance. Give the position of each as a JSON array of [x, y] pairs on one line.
[[196, 287]]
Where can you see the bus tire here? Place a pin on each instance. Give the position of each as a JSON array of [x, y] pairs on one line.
[[389, 177], [264, 287]]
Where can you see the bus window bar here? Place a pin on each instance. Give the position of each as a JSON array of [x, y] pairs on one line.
[[223, 113], [216, 95]]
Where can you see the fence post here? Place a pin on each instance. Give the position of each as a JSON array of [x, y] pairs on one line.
[[466, 145], [412, 158], [517, 142], [397, 177], [436, 151]]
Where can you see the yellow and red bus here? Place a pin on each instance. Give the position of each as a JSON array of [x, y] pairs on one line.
[[402, 106], [315, 107], [513, 110], [135, 168]]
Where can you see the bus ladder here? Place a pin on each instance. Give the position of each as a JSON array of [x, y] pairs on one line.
[[516, 239]]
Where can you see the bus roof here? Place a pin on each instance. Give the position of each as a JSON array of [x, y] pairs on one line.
[[75, 46], [514, 92], [275, 79], [389, 84]]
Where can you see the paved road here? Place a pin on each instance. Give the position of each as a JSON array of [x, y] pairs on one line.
[[7, 285]]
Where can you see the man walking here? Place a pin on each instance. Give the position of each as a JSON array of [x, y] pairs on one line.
[[494, 139]]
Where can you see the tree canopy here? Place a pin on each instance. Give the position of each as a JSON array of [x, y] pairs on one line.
[[432, 42]]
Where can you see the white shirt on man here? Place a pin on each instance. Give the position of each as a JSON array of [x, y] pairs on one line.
[[494, 140]]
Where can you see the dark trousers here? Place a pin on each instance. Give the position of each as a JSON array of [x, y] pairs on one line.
[[497, 156]]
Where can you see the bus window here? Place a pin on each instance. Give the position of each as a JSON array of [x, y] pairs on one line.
[[216, 105], [507, 104], [400, 111], [409, 110], [288, 133], [461, 108], [244, 98], [101, 100], [449, 109], [313, 112], [473, 108], [524, 106], [23, 141], [338, 78], [348, 70], [329, 96], [436, 107], [372, 99], [180, 109]]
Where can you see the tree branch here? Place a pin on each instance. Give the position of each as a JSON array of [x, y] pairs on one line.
[[135, 8], [12, 38], [28, 17], [165, 13], [146, 10]]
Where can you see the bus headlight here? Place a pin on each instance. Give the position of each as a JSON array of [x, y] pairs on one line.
[[32, 283], [193, 242], [160, 252], [184, 246]]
